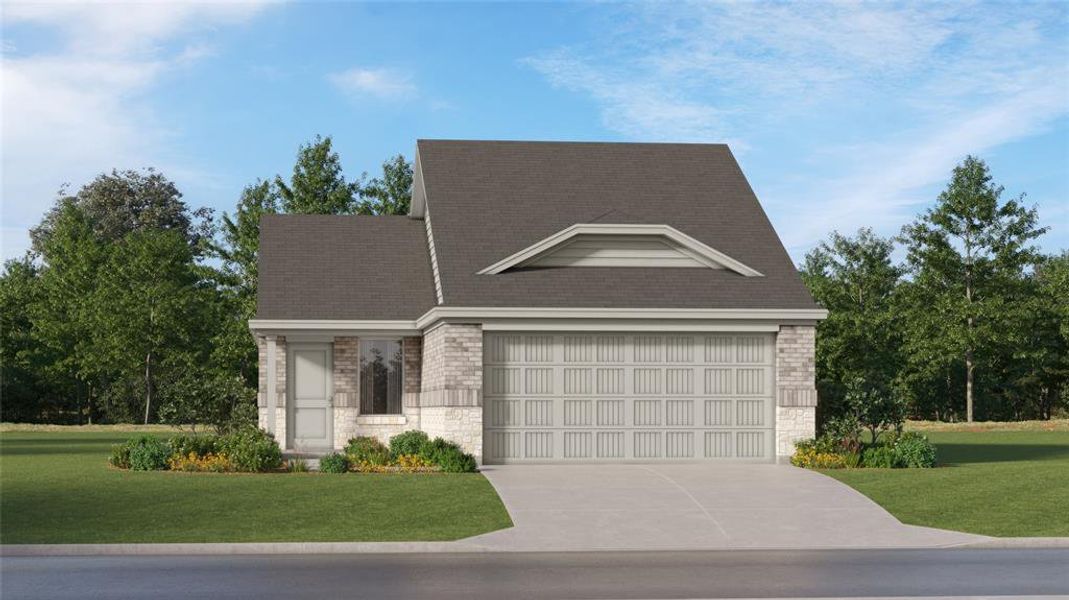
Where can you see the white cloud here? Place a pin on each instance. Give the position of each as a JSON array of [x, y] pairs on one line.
[[860, 106], [79, 107], [378, 82]]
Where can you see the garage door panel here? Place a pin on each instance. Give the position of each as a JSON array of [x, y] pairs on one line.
[[628, 397]]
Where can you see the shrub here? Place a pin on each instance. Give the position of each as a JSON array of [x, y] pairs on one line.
[[448, 456], [251, 450], [334, 463], [413, 463], [120, 455], [148, 453], [367, 449], [408, 442], [201, 445], [367, 467], [194, 463], [879, 457], [297, 465], [913, 450], [809, 458]]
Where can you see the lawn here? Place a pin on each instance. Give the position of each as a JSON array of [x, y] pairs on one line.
[[56, 487], [991, 480]]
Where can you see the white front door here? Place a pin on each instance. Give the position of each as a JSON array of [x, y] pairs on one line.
[[310, 414]]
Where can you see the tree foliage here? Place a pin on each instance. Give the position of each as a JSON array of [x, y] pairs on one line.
[[971, 324]]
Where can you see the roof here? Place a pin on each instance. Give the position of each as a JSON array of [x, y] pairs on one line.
[[343, 267], [491, 199]]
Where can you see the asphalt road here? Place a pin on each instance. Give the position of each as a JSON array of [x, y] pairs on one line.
[[959, 572]]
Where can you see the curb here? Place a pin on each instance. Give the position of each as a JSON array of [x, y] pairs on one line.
[[458, 547], [1019, 542]]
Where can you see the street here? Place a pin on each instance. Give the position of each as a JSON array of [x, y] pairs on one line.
[[832, 573]]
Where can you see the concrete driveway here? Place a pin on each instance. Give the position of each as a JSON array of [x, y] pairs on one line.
[[691, 507]]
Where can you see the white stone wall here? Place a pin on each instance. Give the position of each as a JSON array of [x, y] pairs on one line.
[[796, 394], [280, 424], [793, 423], [348, 424], [460, 424], [280, 371]]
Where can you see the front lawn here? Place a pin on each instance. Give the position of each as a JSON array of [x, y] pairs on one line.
[[990, 482], [56, 487]]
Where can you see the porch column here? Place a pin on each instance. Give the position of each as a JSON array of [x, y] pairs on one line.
[[272, 382]]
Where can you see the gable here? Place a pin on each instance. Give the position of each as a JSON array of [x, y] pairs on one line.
[[620, 245], [618, 251]]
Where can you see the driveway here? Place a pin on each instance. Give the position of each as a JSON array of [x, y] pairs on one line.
[[691, 507]]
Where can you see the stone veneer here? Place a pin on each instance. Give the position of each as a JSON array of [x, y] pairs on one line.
[[280, 387], [451, 386], [796, 394]]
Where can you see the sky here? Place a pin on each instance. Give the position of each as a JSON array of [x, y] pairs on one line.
[[842, 115]]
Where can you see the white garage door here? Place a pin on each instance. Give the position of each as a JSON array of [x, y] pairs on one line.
[[640, 397]]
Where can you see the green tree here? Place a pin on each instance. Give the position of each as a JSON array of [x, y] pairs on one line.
[[22, 384], [856, 280], [390, 193], [63, 316], [318, 185], [967, 256], [149, 307], [119, 202]]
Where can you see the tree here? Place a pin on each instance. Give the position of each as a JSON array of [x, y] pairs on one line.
[[120, 202], [149, 307], [856, 280], [967, 256], [240, 245], [23, 387], [62, 318], [318, 185], [390, 194]]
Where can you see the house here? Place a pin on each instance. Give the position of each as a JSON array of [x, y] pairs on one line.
[[543, 302]]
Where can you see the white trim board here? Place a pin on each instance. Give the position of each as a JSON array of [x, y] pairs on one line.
[[594, 315], [691, 247], [715, 319]]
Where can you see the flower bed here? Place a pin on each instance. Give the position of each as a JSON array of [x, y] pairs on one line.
[[892, 451], [256, 451], [247, 451]]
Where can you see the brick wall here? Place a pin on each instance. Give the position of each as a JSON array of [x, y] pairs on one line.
[[346, 372], [280, 371], [452, 366], [796, 394], [451, 386]]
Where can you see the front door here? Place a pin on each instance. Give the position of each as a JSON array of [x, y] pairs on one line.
[[310, 418]]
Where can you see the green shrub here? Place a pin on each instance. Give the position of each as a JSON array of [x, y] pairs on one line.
[[251, 450], [367, 449], [879, 457], [120, 455], [448, 456], [148, 453], [297, 465], [334, 463], [408, 442], [914, 451], [810, 458], [852, 460], [201, 445]]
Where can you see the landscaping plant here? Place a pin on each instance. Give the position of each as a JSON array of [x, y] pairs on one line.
[[408, 442], [148, 453], [251, 450], [367, 449], [334, 463]]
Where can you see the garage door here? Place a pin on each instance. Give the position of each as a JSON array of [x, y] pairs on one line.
[[639, 397]]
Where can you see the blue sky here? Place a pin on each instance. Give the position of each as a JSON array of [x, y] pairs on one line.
[[842, 115]]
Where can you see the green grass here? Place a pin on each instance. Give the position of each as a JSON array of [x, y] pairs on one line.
[[56, 487], [998, 483]]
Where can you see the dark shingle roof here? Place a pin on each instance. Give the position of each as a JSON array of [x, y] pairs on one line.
[[343, 267], [488, 200]]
